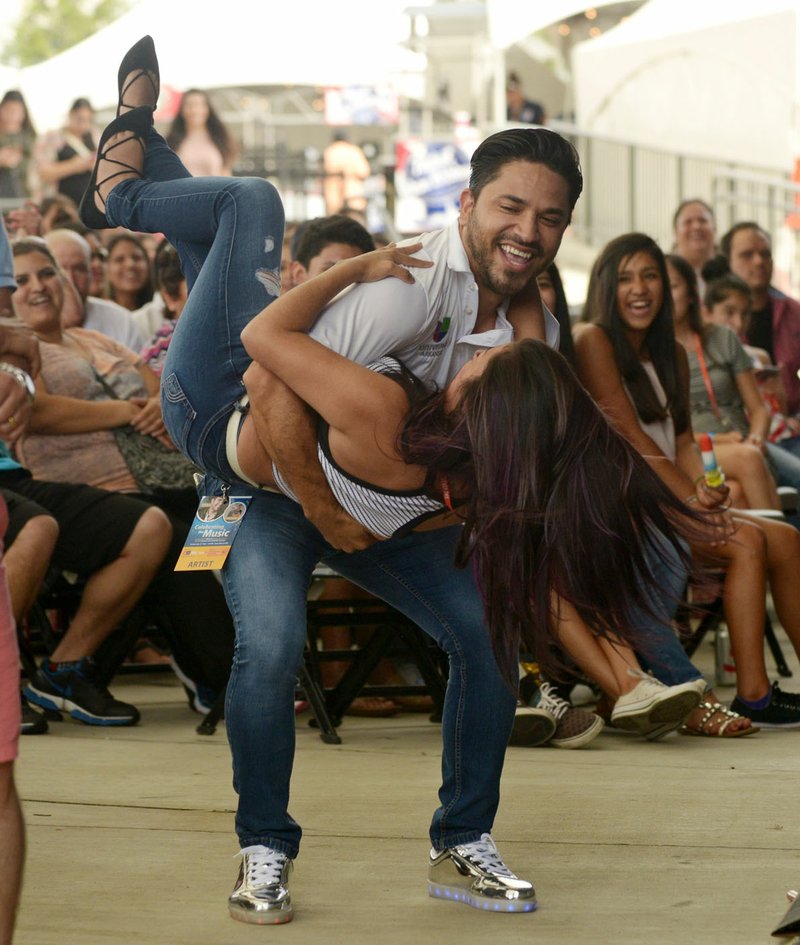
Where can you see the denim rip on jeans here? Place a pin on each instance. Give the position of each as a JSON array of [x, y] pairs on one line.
[[228, 233]]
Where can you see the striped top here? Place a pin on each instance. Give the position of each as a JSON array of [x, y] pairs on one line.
[[384, 512]]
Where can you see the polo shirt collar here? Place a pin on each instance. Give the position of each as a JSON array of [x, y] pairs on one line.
[[456, 254]]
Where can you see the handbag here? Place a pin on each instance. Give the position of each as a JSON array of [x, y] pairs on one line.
[[153, 465]]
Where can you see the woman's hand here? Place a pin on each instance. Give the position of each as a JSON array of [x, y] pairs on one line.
[[711, 498], [25, 220], [148, 419], [757, 440], [389, 261]]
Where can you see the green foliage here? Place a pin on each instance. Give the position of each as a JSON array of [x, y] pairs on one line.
[[48, 27]]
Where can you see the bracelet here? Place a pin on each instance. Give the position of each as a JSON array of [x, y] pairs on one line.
[[21, 377], [690, 499], [699, 480]]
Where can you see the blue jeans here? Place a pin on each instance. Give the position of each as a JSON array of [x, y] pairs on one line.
[[660, 649], [228, 233]]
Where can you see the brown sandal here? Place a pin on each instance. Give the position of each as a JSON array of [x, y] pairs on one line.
[[708, 729]]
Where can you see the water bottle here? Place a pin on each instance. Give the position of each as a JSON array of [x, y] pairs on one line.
[[725, 667]]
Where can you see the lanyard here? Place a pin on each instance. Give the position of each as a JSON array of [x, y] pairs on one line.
[[698, 348]]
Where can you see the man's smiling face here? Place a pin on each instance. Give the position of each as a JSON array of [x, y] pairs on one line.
[[513, 229]]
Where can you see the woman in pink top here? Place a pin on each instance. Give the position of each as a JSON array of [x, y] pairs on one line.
[[199, 137]]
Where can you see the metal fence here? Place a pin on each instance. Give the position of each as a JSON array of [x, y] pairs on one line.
[[632, 187]]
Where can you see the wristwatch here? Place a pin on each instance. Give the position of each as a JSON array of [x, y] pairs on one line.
[[21, 377]]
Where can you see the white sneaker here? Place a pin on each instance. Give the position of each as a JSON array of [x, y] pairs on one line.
[[653, 709], [261, 894]]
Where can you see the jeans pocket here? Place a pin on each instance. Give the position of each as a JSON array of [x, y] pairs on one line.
[[178, 412]]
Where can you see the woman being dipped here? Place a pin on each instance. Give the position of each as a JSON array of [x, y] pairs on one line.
[[631, 364]]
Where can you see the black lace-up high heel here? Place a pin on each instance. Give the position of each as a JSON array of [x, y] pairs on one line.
[[139, 62], [137, 124]]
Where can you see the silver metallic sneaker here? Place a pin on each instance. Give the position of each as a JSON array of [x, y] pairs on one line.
[[261, 894], [475, 874]]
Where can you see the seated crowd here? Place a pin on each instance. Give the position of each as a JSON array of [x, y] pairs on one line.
[[670, 347]]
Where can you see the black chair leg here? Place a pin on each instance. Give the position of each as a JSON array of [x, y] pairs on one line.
[[316, 699], [217, 711], [775, 649], [327, 730]]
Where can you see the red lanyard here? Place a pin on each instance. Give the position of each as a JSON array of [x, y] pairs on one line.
[[698, 347], [444, 485]]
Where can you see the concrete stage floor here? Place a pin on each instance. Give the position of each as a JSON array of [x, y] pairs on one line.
[[691, 841]]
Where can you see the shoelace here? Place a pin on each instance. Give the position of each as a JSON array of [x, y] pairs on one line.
[[485, 855], [551, 702], [264, 866]]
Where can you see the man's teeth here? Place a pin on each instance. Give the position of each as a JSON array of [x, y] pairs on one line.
[[513, 251]]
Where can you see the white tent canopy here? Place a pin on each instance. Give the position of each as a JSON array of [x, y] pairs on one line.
[[205, 44], [721, 79], [511, 21]]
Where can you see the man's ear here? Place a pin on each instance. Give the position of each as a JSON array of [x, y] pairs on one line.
[[467, 203], [298, 273]]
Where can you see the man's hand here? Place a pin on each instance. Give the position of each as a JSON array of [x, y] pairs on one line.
[[18, 344], [287, 432], [15, 409], [19, 347], [339, 529]]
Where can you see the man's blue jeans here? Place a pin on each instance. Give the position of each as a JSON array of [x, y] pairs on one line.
[[228, 233]]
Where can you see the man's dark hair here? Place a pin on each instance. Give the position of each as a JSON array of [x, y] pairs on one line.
[[319, 233], [726, 243], [537, 145]]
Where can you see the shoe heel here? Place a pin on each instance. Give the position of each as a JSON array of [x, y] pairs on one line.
[[138, 121]]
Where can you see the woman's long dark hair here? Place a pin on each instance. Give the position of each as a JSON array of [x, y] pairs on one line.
[[555, 500], [217, 131], [689, 278], [601, 309]]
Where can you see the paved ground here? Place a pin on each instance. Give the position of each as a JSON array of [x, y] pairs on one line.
[[690, 841]]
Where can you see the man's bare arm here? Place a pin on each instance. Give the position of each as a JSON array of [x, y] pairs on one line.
[[287, 429]]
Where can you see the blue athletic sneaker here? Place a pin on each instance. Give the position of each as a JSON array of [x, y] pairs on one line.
[[72, 688]]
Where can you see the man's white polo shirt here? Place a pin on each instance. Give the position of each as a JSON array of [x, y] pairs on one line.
[[428, 325]]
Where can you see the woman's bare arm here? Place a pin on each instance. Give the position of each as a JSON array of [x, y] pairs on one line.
[[597, 369], [54, 413], [351, 398], [754, 405]]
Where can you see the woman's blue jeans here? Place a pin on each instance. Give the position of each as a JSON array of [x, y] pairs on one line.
[[228, 233]]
